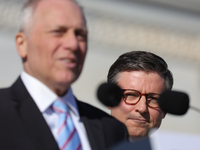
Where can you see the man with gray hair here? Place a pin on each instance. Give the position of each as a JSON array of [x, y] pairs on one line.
[[39, 111], [142, 76]]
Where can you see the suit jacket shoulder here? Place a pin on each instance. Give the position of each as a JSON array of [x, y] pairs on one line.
[[22, 124], [103, 130]]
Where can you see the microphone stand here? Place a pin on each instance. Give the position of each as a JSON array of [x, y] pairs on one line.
[[196, 109]]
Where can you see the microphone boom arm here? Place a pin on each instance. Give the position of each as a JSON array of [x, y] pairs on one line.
[[194, 108]]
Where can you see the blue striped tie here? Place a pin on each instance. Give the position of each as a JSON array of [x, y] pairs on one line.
[[68, 138]]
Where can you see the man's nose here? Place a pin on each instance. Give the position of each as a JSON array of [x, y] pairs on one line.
[[142, 106], [70, 41]]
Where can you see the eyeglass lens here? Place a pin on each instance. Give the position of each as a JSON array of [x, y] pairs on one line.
[[132, 97]]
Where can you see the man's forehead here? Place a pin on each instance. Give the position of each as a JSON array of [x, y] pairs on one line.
[[53, 10], [59, 5], [54, 3]]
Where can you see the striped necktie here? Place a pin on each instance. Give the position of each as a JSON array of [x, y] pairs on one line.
[[68, 138]]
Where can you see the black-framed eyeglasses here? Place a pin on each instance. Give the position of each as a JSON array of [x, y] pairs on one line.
[[132, 97]]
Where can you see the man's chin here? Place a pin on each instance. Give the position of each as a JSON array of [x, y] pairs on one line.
[[137, 134], [66, 79]]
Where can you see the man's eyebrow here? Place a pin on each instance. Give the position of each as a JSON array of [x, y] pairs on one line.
[[82, 30], [79, 29], [154, 93], [60, 27]]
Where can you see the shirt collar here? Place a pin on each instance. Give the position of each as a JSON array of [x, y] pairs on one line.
[[71, 102], [44, 97]]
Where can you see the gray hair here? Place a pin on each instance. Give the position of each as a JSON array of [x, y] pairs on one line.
[[140, 61], [26, 17]]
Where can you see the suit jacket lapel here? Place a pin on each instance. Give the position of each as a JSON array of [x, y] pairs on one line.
[[93, 127], [32, 120]]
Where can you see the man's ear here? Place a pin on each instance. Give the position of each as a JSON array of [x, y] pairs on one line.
[[21, 44]]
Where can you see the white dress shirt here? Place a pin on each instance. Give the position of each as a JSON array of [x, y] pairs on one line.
[[44, 97]]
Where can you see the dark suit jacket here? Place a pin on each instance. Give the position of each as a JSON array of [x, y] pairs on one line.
[[22, 126]]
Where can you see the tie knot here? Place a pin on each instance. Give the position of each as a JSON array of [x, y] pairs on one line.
[[59, 106]]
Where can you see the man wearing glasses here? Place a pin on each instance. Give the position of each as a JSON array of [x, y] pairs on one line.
[[142, 76]]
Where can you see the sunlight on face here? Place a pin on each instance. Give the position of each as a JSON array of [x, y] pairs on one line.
[[57, 45], [139, 118]]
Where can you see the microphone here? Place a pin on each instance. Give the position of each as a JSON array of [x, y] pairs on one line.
[[109, 94], [175, 102]]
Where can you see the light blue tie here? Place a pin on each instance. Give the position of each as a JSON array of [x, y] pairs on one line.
[[68, 138]]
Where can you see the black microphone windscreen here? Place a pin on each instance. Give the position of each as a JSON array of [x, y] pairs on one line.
[[109, 94], [174, 102]]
